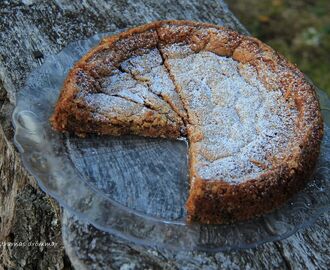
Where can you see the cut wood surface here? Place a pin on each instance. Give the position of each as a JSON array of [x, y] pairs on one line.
[[30, 31]]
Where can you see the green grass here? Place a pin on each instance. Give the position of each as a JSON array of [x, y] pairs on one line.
[[298, 29]]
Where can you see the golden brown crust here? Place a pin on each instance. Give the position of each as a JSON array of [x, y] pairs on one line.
[[211, 200]]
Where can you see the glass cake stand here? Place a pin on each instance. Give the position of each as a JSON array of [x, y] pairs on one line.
[[134, 187]]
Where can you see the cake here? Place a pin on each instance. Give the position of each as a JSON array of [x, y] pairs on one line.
[[252, 120]]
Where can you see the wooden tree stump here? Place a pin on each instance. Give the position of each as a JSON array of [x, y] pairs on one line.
[[31, 30]]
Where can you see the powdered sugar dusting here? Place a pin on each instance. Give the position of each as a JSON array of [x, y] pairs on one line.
[[245, 126], [136, 88], [149, 70]]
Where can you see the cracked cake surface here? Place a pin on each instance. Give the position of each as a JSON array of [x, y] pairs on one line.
[[251, 119], [244, 125]]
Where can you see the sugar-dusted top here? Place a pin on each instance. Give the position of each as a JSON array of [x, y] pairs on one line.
[[244, 127]]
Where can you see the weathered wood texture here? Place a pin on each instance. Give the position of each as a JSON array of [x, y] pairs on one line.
[[30, 30], [89, 247]]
